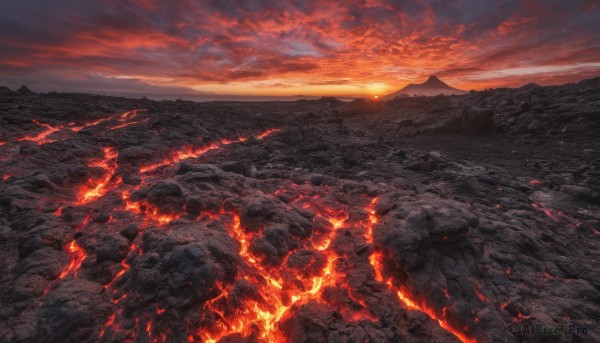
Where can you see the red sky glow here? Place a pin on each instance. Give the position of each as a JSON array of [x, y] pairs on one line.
[[288, 48]]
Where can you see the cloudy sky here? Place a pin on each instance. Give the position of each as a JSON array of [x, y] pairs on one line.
[[310, 47]]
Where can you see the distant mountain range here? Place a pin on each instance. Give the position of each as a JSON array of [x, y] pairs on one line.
[[432, 87]]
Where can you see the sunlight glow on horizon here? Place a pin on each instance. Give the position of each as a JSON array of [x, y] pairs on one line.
[[262, 48]]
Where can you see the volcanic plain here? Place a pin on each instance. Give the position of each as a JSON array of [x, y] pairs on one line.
[[418, 219]]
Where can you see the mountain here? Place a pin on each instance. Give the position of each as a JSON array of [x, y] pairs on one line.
[[432, 87]]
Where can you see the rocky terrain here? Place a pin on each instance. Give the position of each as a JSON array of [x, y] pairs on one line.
[[438, 219]]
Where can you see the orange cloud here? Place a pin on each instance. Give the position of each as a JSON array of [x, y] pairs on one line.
[[256, 47]]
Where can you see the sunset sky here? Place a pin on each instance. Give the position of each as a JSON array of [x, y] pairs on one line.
[[273, 48]]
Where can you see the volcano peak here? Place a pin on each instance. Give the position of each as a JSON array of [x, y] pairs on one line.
[[432, 87]]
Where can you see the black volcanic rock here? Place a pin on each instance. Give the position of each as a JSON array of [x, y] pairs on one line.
[[23, 90], [476, 121], [354, 222]]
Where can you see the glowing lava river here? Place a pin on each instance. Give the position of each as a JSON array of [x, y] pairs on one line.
[[150, 226]]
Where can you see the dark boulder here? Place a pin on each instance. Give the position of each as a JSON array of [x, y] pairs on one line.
[[476, 121]]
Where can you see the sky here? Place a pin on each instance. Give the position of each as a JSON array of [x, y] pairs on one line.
[[227, 48]]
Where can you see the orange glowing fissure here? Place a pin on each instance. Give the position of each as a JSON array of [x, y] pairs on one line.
[[125, 267], [376, 261], [148, 211], [195, 152], [120, 126], [43, 137], [278, 294], [77, 256], [75, 128], [96, 188], [280, 289], [76, 253]]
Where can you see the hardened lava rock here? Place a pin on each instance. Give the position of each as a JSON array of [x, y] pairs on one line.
[[421, 219]]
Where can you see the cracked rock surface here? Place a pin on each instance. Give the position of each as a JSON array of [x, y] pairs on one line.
[[418, 219]]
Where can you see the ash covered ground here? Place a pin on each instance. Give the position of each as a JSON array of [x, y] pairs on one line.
[[435, 219]]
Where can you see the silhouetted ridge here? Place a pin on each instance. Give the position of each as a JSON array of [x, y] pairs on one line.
[[432, 87]]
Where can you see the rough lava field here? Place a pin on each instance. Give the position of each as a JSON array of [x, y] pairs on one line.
[[438, 219]]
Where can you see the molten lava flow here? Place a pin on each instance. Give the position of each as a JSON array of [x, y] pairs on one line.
[[546, 211], [120, 126], [519, 316], [125, 267], [337, 221], [130, 114], [195, 152], [267, 133], [554, 215], [481, 296], [109, 323], [148, 211], [376, 261], [98, 188], [373, 219], [41, 138], [178, 156], [279, 290], [77, 256], [76, 128], [441, 319], [557, 215], [86, 220]]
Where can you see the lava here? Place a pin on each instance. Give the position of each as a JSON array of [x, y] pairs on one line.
[[124, 268], [96, 188], [376, 261], [109, 323], [267, 133], [76, 128], [373, 219], [120, 126], [278, 294], [86, 220], [131, 114], [282, 289], [77, 256], [481, 296], [546, 211], [42, 137], [180, 155], [557, 215], [281, 238], [195, 152], [148, 211]]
